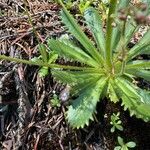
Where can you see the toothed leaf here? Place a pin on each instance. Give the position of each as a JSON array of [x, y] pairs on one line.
[[138, 64], [94, 22], [116, 35], [146, 50], [145, 74], [43, 52], [82, 109], [74, 77], [75, 29], [133, 99], [139, 47], [145, 95], [112, 91], [74, 53]]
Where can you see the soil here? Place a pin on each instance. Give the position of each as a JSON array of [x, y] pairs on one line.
[[27, 118]]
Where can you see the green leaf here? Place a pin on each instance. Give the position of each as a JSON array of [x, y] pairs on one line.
[[74, 53], [145, 74], [55, 102], [131, 144], [116, 35], [112, 92], [127, 87], [37, 60], [43, 71], [145, 95], [130, 29], [148, 4], [112, 130], [117, 148], [94, 22], [133, 100], [82, 109], [52, 57], [81, 86], [120, 141], [141, 110], [146, 50], [119, 127], [43, 52], [74, 77], [140, 46], [138, 64], [75, 29], [83, 5], [123, 4], [124, 147]]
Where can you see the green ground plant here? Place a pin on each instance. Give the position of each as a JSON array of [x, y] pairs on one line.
[[124, 146], [108, 67], [116, 122], [45, 57], [55, 102]]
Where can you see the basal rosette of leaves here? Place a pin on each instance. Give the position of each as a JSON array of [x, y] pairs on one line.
[[108, 66]]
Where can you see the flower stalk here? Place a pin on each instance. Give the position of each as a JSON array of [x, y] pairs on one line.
[[109, 30], [42, 64]]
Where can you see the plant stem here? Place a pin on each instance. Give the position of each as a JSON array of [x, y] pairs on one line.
[[123, 48], [61, 3], [108, 55], [42, 64], [126, 42]]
